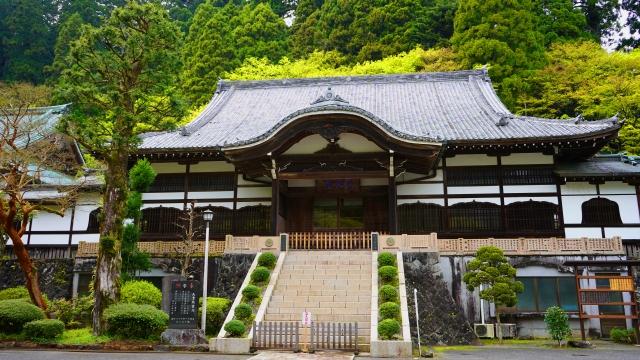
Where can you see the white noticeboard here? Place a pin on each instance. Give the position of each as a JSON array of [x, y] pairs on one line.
[[306, 318]]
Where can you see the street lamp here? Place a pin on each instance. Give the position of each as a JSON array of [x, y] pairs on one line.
[[207, 215]]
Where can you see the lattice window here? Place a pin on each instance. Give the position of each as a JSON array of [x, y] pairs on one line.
[[211, 182], [168, 183], [254, 220], [528, 176], [600, 212], [474, 216], [162, 220], [472, 176], [94, 221], [419, 218], [220, 225], [532, 215]]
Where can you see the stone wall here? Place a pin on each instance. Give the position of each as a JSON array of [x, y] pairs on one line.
[[442, 320], [56, 276]]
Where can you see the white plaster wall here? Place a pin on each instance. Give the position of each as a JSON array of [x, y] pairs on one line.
[[254, 192], [81, 219], [519, 189], [422, 201], [167, 205], [163, 196], [628, 205], [85, 237], [540, 271], [212, 166], [527, 159], [44, 221], [168, 168], [489, 200], [473, 190], [210, 195], [412, 176], [253, 203], [578, 188], [590, 232], [242, 181], [472, 160], [550, 199], [48, 239], [226, 204], [420, 189], [617, 187], [352, 142], [572, 208]]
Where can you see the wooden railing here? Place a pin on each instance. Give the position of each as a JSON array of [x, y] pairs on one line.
[[47, 252], [158, 248], [330, 241]]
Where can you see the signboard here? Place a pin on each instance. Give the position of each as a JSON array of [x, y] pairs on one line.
[[306, 318], [183, 308]]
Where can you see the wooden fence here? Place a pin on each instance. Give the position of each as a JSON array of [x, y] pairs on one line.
[[329, 241], [334, 336], [276, 335], [159, 248]]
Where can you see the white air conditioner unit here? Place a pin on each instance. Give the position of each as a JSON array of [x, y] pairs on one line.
[[509, 331], [484, 330]]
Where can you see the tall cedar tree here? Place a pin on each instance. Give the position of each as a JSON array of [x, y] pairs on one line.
[[370, 30], [500, 33], [68, 32], [632, 40], [560, 21], [30, 147], [120, 77], [221, 38], [601, 15]]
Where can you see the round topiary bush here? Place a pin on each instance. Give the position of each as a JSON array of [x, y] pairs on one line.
[[235, 328], [14, 293], [216, 312], [243, 311], [389, 310], [386, 259], [41, 330], [388, 293], [387, 329], [388, 273], [251, 292], [141, 292], [260, 275], [267, 260], [133, 321], [15, 313]]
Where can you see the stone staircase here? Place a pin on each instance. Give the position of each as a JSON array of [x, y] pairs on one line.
[[334, 286]]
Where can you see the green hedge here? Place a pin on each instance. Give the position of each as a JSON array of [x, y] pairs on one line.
[[216, 312], [251, 292], [14, 293], [235, 328], [267, 260], [260, 275], [15, 313], [75, 313], [387, 329], [388, 293], [42, 330], [388, 273], [134, 321], [389, 310], [141, 292], [243, 311], [386, 259]]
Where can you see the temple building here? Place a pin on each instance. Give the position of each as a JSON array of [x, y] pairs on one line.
[[427, 162]]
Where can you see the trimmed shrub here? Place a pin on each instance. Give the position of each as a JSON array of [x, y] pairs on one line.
[[387, 329], [141, 292], [388, 273], [623, 336], [14, 293], [15, 313], [243, 311], [267, 260], [557, 322], [133, 321], [251, 292], [216, 312], [389, 310], [47, 329], [388, 293], [235, 328], [260, 275], [386, 259]]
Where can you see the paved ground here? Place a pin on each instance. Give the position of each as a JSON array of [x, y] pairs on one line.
[[65, 355], [541, 354]]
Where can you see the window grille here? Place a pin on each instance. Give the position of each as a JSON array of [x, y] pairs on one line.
[[419, 218], [474, 217], [600, 212], [211, 181], [253, 220], [543, 292], [220, 225], [472, 175], [528, 176], [162, 220], [168, 183], [532, 216], [94, 221]]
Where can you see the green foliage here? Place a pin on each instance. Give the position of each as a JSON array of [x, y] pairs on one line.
[[15, 313], [133, 321], [557, 322], [251, 292], [492, 269], [235, 328], [560, 21], [389, 310], [260, 275], [388, 273], [141, 176], [141, 292], [386, 259], [42, 330], [500, 33], [243, 311], [74, 313], [267, 260], [388, 293], [216, 312], [18, 292], [388, 328], [623, 336]]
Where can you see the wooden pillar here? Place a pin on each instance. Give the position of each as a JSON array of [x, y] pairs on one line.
[[275, 205], [234, 222], [579, 295], [393, 206], [73, 218]]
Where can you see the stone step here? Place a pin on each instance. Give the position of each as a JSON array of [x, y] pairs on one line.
[[277, 300], [364, 321]]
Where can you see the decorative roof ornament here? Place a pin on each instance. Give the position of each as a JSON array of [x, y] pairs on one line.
[[183, 131], [504, 119], [578, 119], [485, 73], [329, 96]]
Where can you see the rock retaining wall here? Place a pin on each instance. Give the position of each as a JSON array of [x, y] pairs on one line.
[[56, 276]]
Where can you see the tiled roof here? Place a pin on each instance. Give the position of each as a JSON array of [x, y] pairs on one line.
[[452, 106], [601, 166], [46, 119]]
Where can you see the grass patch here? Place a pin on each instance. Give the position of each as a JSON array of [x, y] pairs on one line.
[[12, 337], [507, 342], [81, 337], [444, 348]]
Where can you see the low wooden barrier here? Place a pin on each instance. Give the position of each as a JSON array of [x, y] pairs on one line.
[[158, 248], [329, 240]]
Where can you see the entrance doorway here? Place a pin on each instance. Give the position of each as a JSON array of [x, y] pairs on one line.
[[338, 214]]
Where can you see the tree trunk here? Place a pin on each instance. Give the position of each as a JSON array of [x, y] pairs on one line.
[[499, 327], [109, 262], [30, 272]]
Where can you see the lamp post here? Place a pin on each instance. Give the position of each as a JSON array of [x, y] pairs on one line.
[[207, 215]]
